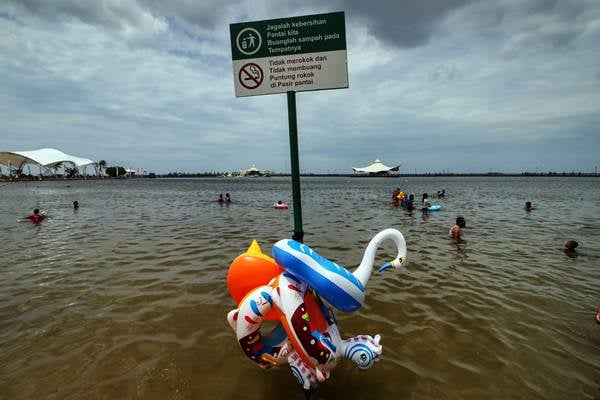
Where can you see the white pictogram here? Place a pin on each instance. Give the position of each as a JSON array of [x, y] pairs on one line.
[[248, 41]]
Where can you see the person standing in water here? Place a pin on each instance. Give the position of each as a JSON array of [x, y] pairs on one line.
[[410, 202], [570, 246], [425, 204], [457, 228]]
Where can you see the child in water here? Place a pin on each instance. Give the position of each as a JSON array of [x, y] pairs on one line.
[[36, 216], [570, 246], [456, 229], [425, 204], [409, 204]]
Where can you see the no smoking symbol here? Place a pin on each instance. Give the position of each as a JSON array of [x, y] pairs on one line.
[[250, 76]]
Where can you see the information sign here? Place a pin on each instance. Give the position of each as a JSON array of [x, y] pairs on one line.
[[289, 54]]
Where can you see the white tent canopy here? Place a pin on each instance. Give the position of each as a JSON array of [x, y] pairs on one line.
[[253, 171], [44, 157], [376, 168]]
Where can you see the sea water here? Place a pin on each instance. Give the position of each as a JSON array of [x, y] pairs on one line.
[[126, 296]]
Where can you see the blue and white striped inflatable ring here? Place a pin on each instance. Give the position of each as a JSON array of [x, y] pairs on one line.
[[331, 281]]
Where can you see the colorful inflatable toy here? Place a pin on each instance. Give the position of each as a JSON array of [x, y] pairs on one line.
[[343, 289], [281, 206], [289, 288]]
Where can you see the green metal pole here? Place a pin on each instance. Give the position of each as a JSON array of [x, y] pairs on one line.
[[298, 232]]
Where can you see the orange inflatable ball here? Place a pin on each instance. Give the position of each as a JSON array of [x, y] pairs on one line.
[[250, 270]]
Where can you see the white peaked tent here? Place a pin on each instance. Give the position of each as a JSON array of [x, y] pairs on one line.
[[253, 171], [48, 158], [377, 168]]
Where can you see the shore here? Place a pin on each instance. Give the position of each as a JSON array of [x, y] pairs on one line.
[[320, 175]]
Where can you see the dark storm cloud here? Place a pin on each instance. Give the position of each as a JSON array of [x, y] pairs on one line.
[[399, 23], [111, 14], [402, 23]]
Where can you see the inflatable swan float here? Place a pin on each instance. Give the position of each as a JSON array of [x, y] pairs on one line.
[[341, 288]]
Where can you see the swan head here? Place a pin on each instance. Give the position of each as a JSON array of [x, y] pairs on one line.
[[363, 272], [395, 263]]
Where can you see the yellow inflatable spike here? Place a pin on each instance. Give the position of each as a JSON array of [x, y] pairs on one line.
[[255, 251]]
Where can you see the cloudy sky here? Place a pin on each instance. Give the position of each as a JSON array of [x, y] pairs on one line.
[[458, 85]]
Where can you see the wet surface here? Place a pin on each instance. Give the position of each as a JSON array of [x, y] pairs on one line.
[[126, 297]]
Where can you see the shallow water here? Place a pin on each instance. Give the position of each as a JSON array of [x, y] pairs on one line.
[[126, 297]]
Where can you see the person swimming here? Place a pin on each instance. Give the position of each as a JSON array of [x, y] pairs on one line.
[[227, 198], [571, 245], [221, 199], [598, 316], [75, 205], [280, 204], [36, 217], [528, 207]]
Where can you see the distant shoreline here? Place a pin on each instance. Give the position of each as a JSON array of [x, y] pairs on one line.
[[306, 175], [424, 175]]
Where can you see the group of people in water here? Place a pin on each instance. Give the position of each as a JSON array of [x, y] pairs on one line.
[[399, 198], [570, 245], [226, 199], [38, 216]]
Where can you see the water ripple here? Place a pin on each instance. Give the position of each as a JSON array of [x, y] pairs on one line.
[[126, 297]]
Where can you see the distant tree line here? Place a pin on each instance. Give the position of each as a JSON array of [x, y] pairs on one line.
[[115, 172]]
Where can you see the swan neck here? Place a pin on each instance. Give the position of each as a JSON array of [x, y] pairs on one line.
[[364, 270]]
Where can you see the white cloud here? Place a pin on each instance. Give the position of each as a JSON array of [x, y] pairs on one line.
[[131, 81]]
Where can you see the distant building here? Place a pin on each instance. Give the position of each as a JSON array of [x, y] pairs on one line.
[[253, 171], [377, 168]]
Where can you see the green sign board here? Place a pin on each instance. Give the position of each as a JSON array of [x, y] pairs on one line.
[[289, 54]]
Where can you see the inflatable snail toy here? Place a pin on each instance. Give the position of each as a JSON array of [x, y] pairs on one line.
[[292, 289]]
